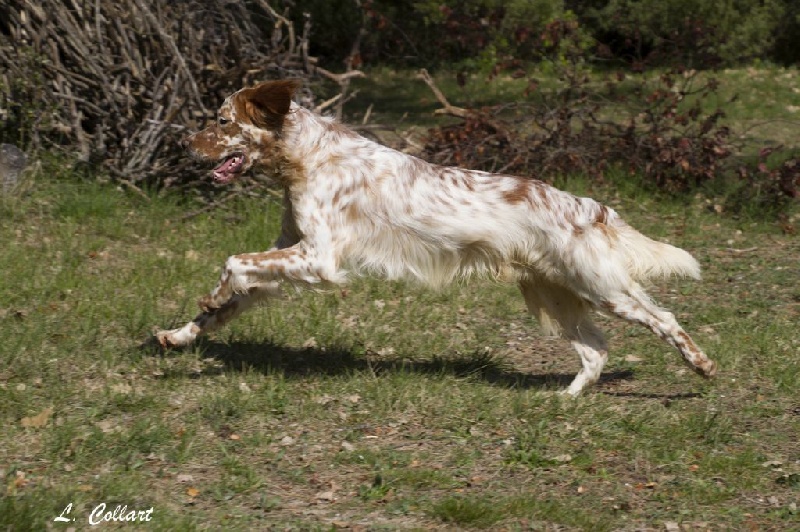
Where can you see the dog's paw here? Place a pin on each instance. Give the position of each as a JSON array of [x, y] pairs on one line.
[[707, 370], [175, 338], [165, 339]]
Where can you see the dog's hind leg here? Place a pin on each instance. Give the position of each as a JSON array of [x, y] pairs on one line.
[[637, 307], [559, 310]]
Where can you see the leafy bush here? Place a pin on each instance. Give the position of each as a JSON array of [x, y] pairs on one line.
[[424, 32], [650, 126], [659, 128], [785, 49], [768, 184], [698, 34]]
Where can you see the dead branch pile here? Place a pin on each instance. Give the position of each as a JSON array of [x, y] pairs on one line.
[[119, 82], [578, 129]]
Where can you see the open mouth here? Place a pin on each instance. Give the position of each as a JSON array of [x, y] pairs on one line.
[[230, 167]]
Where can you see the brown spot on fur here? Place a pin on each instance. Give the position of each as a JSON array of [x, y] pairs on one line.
[[416, 168], [336, 160], [602, 215], [206, 143], [606, 230], [352, 214], [541, 190], [688, 341], [338, 195], [255, 259], [292, 174], [608, 307], [601, 222], [519, 193]]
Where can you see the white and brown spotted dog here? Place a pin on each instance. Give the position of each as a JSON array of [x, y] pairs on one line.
[[355, 206]]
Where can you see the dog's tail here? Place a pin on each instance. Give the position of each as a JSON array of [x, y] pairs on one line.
[[619, 251], [649, 259]]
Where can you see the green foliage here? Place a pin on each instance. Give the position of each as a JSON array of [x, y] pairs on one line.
[[334, 25], [428, 32], [788, 28], [425, 32], [704, 32], [24, 114]]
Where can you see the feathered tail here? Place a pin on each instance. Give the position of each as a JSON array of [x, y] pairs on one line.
[[648, 259]]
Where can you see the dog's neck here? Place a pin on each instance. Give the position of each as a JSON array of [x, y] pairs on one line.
[[299, 153]]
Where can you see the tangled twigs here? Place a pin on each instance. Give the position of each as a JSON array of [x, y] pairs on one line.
[[649, 131], [460, 112], [120, 81]]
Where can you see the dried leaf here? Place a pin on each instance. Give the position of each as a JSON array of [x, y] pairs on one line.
[[39, 420], [122, 388], [324, 399], [20, 481], [326, 496], [107, 426], [311, 343], [192, 492]]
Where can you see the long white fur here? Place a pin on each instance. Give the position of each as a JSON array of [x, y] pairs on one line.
[[433, 232]]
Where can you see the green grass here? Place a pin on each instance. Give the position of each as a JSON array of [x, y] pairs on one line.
[[382, 405], [407, 409]]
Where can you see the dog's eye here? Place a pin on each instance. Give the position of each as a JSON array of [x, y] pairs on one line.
[[222, 121]]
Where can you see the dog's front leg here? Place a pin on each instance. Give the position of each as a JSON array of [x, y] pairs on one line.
[[209, 320], [245, 280]]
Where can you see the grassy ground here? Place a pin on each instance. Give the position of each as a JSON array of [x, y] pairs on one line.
[[380, 406]]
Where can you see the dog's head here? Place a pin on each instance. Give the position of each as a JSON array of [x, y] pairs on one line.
[[248, 126]]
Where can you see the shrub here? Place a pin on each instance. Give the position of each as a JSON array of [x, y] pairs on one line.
[[425, 32], [653, 127], [697, 34]]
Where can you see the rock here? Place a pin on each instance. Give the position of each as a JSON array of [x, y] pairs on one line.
[[12, 162]]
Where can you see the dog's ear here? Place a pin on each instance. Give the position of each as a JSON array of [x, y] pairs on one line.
[[267, 103]]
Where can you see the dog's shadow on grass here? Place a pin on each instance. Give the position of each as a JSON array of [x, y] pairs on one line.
[[294, 362]]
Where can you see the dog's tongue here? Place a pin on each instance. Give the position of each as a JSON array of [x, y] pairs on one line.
[[228, 169]]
